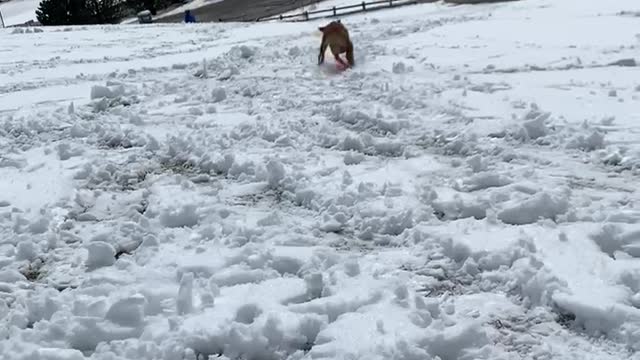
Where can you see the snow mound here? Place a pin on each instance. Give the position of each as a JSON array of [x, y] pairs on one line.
[[100, 254], [539, 206]]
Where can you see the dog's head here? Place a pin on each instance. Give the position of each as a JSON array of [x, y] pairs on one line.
[[331, 25]]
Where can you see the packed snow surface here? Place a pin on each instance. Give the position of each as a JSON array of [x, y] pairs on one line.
[[207, 191]]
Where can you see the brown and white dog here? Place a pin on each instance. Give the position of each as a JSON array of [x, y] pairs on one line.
[[336, 36]]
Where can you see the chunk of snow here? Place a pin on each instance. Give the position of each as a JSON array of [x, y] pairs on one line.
[[535, 128], [85, 333], [484, 180], [184, 302], [100, 254], [353, 158], [98, 91], [452, 341], [597, 319], [275, 173], [247, 313], [185, 216], [11, 276], [218, 94], [539, 206], [624, 62], [231, 277], [56, 354], [26, 250], [315, 285], [589, 143], [127, 312]]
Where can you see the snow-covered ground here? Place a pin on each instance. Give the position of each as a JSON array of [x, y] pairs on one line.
[[17, 12], [468, 191]]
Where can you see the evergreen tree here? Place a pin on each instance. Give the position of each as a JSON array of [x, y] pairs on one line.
[[139, 5], [151, 6], [104, 11], [79, 12], [53, 12]]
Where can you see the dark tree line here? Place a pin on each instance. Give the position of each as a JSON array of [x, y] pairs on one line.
[[85, 12]]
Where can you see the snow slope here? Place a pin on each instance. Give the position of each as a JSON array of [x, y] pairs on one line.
[[298, 14], [468, 191], [188, 6], [17, 12], [191, 5]]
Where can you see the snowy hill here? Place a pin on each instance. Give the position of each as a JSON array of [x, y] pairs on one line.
[[17, 12], [191, 5], [468, 191]]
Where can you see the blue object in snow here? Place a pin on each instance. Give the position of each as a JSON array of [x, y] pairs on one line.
[[188, 18]]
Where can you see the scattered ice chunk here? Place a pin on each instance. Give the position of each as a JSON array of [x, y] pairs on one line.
[[11, 276], [399, 68], [85, 333], [315, 285], [78, 131], [247, 313], [535, 128], [127, 312], [539, 206], [99, 91], [592, 142], [353, 158], [26, 250], [477, 163], [184, 216], [275, 173], [218, 94], [352, 268], [452, 341], [484, 180], [243, 51], [101, 254], [629, 62], [56, 354], [184, 302]]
